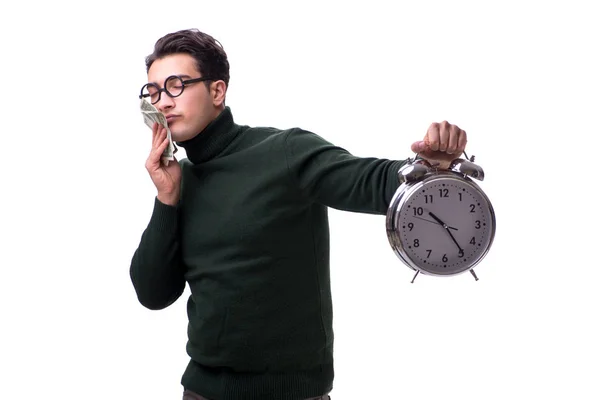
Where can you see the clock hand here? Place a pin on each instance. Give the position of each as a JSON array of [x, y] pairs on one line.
[[433, 222], [437, 219], [455, 242], [447, 230]]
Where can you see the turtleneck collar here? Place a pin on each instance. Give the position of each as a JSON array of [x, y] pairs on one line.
[[209, 143]]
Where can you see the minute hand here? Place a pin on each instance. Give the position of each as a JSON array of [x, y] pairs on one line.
[[447, 230], [433, 222]]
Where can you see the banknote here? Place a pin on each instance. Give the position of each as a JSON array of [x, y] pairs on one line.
[[152, 115]]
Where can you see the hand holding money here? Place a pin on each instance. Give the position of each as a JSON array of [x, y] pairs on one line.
[[152, 115], [166, 177]]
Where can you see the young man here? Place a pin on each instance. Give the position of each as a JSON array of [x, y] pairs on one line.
[[243, 220]]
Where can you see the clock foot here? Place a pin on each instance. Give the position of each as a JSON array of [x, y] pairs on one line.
[[415, 277], [474, 276]]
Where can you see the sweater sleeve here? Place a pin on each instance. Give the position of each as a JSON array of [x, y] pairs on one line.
[[330, 175], [156, 271]]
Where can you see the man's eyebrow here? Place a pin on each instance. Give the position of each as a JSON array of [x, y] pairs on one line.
[[182, 76]]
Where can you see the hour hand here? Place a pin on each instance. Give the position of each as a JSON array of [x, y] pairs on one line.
[[439, 221]]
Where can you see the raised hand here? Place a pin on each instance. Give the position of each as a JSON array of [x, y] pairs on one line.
[[443, 143], [166, 178]]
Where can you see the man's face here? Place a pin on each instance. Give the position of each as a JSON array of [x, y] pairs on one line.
[[189, 113]]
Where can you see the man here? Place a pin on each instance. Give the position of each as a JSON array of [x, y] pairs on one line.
[[243, 220]]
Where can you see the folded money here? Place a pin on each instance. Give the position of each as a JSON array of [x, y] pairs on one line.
[[152, 115]]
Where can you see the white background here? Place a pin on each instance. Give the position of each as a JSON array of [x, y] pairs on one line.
[[521, 77]]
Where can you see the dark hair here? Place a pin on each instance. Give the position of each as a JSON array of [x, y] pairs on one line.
[[211, 59]]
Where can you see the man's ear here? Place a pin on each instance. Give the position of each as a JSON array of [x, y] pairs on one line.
[[217, 91]]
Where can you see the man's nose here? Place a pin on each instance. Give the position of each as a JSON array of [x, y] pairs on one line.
[[165, 102]]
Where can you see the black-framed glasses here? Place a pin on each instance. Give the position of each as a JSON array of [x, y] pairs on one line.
[[173, 87]]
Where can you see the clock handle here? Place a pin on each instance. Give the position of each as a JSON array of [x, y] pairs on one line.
[[467, 168]]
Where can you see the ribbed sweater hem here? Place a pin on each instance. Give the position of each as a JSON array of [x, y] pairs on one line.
[[225, 384]]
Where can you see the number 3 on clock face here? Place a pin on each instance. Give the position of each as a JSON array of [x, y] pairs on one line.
[[447, 225]]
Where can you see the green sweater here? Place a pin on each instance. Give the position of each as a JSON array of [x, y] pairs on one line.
[[250, 235]]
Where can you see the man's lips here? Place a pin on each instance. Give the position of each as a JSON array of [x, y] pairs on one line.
[[170, 118]]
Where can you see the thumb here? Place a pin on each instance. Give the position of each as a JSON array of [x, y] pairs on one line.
[[418, 147]]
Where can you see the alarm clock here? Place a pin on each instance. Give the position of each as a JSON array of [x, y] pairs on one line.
[[440, 222]]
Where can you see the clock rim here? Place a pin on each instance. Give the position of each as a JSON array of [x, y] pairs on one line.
[[404, 193]]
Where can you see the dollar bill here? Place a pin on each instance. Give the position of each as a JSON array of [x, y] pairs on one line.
[[152, 115]]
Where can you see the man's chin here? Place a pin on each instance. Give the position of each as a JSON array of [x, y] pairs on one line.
[[181, 136]]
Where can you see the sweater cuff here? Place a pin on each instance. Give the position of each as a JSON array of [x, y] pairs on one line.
[[164, 217], [393, 183]]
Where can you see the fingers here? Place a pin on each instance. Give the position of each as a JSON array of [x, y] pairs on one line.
[[444, 137], [154, 133], [162, 146], [453, 139], [462, 141], [444, 129], [160, 142], [418, 147], [432, 139], [161, 134], [158, 131]]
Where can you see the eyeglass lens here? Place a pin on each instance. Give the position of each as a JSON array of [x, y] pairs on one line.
[[173, 87]]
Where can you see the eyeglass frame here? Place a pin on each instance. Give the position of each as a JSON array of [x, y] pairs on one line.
[[164, 88]]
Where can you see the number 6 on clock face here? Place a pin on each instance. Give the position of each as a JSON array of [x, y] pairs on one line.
[[443, 224]]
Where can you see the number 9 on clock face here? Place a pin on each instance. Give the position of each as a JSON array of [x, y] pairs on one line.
[[442, 225]]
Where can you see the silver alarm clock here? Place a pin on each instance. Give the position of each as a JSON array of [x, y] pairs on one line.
[[440, 222]]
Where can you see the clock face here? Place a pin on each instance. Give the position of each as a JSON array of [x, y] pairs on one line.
[[447, 225]]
